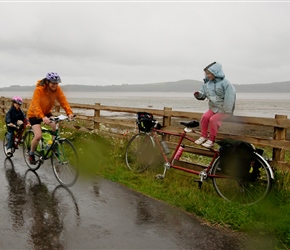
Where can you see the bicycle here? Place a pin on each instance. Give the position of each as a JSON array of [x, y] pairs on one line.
[[142, 147], [61, 152], [17, 138]]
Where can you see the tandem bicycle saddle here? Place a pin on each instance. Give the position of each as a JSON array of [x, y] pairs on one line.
[[191, 124]]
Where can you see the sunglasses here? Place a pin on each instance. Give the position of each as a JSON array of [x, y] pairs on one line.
[[54, 83]]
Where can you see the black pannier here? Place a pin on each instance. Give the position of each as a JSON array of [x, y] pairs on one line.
[[236, 158], [145, 121]]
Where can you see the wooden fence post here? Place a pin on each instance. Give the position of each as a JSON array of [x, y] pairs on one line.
[[279, 134], [3, 105], [166, 121], [97, 113]]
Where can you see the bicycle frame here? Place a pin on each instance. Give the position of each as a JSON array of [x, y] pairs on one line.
[[56, 138], [169, 162]]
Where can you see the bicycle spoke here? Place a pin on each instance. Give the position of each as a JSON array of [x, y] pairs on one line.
[[140, 152], [248, 190], [65, 162], [26, 149]]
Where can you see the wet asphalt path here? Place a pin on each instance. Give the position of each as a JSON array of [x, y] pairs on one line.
[[37, 213]]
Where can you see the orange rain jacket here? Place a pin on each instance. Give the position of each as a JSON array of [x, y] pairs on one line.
[[43, 100]]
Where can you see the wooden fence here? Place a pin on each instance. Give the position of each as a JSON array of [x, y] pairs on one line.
[[262, 132]]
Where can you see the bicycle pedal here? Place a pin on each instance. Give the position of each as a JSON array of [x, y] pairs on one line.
[[199, 183], [159, 176]]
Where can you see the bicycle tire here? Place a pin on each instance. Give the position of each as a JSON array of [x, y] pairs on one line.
[[247, 191], [27, 138], [140, 152], [65, 162]]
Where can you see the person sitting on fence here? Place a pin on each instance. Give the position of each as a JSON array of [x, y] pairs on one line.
[[14, 117], [47, 91], [221, 96]]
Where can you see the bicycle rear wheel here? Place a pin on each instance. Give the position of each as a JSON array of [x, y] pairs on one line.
[[65, 162], [140, 152], [250, 190], [27, 138]]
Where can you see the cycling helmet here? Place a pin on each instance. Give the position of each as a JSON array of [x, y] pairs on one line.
[[53, 77], [17, 99]]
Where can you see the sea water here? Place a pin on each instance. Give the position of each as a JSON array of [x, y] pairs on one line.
[[247, 104]]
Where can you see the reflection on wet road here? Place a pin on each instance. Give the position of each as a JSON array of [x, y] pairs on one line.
[[37, 213]]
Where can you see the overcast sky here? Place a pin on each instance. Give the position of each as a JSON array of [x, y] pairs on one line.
[[114, 42]]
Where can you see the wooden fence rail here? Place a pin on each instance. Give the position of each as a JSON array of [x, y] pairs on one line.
[[262, 132]]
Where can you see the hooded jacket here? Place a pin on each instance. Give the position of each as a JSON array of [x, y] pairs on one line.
[[43, 100], [13, 115], [220, 93]]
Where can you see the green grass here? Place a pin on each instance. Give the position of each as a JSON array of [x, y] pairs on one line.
[[269, 219]]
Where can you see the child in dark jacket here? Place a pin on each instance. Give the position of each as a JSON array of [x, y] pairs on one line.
[[14, 117]]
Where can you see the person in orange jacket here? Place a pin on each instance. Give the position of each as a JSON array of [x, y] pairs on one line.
[[47, 91]]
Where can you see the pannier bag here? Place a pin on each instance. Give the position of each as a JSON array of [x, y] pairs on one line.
[[46, 142], [145, 121], [236, 158]]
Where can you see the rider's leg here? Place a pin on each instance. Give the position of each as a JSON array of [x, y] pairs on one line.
[[215, 122], [37, 136], [205, 120], [10, 133]]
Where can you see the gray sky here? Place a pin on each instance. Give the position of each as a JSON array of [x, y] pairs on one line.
[[104, 43]]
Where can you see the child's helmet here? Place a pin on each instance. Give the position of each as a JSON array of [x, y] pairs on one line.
[[17, 99], [53, 77]]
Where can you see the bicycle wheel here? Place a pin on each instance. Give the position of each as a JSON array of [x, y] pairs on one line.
[[140, 152], [65, 162], [247, 190], [27, 138]]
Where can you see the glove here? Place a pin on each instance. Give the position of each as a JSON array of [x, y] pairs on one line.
[[19, 122]]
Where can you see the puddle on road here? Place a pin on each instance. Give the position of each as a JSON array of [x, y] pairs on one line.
[[34, 207]]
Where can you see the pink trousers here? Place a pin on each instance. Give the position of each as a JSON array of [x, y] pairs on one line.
[[211, 121]]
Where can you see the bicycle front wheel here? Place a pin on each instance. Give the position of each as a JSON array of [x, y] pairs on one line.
[[247, 190], [140, 152], [27, 138], [65, 162]]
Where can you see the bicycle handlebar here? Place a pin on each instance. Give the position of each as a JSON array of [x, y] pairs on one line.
[[59, 118]]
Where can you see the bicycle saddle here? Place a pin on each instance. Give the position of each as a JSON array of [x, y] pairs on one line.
[[191, 124]]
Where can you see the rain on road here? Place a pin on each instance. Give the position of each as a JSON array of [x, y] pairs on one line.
[[37, 213]]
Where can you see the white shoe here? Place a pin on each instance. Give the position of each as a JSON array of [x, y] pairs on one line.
[[200, 140], [9, 151], [208, 144]]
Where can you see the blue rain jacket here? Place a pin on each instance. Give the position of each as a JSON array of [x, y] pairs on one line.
[[220, 93]]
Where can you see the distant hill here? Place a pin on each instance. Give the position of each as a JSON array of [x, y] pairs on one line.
[[178, 86]]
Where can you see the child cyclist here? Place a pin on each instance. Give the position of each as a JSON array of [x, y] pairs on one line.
[[14, 117], [221, 96]]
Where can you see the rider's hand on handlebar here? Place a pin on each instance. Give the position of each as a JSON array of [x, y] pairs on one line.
[[46, 120], [19, 122], [71, 116]]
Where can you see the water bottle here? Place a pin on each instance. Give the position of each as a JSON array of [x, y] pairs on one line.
[[48, 144], [179, 152], [165, 147]]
